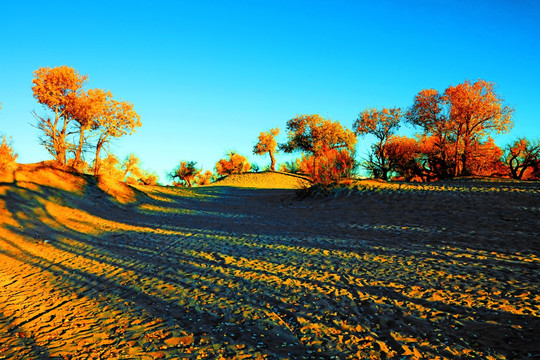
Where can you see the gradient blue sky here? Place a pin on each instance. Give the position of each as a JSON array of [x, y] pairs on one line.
[[208, 76]]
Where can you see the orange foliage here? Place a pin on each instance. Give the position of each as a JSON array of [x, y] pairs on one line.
[[313, 133], [460, 119], [332, 166], [403, 154], [382, 123], [427, 112], [110, 166], [437, 163], [128, 171], [267, 144], [57, 88], [116, 119], [236, 164], [422, 159], [86, 110], [186, 172], [486, 159], [205, 178], [60, 89], [317, 136], [7, 156]]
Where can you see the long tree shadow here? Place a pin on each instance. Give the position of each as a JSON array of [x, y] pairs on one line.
[[162, 257], [21, 344]]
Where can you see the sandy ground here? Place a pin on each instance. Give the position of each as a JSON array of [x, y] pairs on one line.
[[95, 269]]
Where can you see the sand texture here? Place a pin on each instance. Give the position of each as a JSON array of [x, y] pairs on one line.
[[90, 268]]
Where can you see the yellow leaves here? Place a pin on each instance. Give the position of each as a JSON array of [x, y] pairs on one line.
[[267, 142], [460, 119], [312, 133], [382, 123], [236, 164], [118, 118], [7, 155], [54, 87], [60, 89]]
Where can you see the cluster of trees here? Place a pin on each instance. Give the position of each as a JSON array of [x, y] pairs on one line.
[[76, 116], [77, 122], [454, 138], [129, 170], [187, 174], [327, 152]]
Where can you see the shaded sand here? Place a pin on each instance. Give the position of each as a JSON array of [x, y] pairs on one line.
[[93, 269]]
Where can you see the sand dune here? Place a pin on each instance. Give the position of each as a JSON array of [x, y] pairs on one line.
[[265, 180], [92, 268]]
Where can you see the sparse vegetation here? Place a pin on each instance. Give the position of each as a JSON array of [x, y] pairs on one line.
[[7, 155], [235, 164], [185, 173]]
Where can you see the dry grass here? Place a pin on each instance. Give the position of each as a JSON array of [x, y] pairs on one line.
[[95, 269]]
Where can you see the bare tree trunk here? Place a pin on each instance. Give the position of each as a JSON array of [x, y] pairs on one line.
[[315, 167], [79, 149], [272, 161], [97, 161]]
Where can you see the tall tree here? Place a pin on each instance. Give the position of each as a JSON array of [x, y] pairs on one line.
[[116, 119], [57, 88], [316, 135], [86, 110], [428, 113], [267, 144], [460, 119], [475, 110], [382, 124]]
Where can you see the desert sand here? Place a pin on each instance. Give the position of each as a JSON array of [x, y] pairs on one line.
[[92, 268]]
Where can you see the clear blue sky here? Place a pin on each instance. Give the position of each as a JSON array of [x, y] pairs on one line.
[[208, 76]]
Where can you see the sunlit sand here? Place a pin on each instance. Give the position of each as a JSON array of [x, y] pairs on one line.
[[93, 268]]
